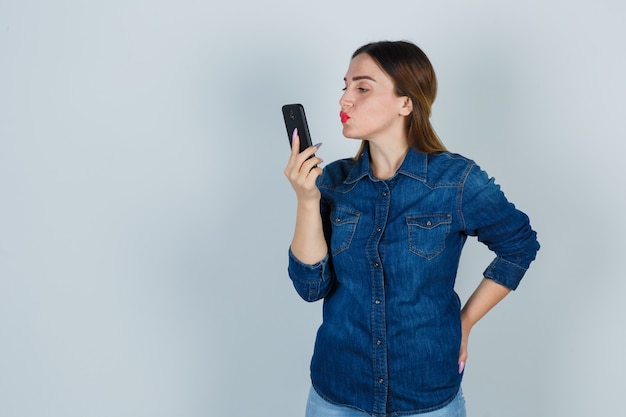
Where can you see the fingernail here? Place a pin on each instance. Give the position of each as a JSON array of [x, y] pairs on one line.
[[317, 145], [295, 133], [461, 367]]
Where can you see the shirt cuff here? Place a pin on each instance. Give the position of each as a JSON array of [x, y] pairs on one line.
[[312, 282], [505, 273], [306, 271]]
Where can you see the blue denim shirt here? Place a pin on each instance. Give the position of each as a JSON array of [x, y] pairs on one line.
[[391, 332]]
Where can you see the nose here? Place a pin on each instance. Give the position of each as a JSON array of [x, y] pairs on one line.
[[344, 100]]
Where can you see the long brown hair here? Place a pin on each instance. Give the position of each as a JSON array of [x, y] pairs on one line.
[[413, 75]]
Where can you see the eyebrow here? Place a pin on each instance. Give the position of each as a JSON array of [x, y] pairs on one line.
[[361, 77]]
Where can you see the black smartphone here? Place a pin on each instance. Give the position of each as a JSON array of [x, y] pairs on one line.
[[295, 118]]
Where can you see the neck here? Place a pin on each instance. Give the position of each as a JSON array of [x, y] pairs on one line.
[[385, 160]]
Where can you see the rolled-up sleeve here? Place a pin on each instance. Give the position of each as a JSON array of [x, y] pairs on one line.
[[311, 281], [498, 224]]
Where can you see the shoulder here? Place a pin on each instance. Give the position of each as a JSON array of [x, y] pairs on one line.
[[449, 167], [449, 160]]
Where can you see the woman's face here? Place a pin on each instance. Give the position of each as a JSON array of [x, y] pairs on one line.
[[370, 108]]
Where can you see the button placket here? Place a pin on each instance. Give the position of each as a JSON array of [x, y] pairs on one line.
[[378, 336]]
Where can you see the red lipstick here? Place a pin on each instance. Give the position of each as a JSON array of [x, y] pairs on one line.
[[344, 116]]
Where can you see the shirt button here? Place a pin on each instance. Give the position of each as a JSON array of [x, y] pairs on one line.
[[379, 342], [384, 193], [380, 381], [376, 264], [378, 229], [377, 302]]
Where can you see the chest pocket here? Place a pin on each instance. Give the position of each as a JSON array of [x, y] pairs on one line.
[[344, 223], [427, 233]]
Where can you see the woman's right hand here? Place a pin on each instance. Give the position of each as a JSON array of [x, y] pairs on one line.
[[308, 243], [302, 171]]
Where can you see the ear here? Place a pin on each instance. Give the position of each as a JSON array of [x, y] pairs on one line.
[[407, 106]]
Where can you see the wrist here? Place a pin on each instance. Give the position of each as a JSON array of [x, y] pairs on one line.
[[309, 204]]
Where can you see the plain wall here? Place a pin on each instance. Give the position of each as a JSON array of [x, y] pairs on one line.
[[145, 218]]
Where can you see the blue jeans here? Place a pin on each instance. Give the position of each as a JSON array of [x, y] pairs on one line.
[[319, 407]]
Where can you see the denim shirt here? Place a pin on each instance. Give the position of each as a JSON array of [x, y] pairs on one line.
[[391, 331]]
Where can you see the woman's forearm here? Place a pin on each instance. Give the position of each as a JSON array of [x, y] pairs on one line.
[[308, 243], [485, 297]]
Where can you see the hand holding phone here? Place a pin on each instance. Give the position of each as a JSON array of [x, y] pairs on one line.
[[308, 244]]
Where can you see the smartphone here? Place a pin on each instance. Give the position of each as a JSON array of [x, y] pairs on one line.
[[295, 118]]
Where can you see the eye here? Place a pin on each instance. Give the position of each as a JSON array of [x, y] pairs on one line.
[[359, 89]]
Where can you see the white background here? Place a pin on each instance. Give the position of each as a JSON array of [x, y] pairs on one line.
[[145, 219]]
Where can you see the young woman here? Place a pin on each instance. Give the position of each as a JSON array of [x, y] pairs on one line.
[[379, 238]]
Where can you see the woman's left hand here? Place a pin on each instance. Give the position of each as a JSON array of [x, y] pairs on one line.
[[465, 331]]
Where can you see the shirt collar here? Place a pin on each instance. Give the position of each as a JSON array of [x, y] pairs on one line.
[[415, 165]]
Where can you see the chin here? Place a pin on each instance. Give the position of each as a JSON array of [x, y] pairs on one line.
[[348, 134]]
